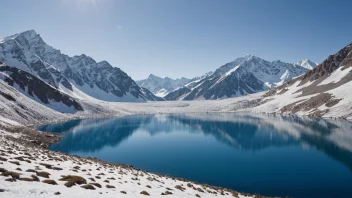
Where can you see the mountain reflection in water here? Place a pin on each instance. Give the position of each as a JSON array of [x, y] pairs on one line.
[[190, 145]]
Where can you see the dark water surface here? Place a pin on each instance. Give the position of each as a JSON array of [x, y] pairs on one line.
[[269, 155]]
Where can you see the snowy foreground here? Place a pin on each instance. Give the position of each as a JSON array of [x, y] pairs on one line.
[[36, 172]]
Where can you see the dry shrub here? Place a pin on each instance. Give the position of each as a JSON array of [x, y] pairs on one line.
[[73, 180], [145, 193], [43, 174], [88, 187], [50, 181]]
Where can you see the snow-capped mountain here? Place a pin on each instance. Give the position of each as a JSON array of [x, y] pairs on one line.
[[307, 64], [78, 76], [162, 86], [244, 75]]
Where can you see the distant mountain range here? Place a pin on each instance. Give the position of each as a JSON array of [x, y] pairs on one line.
[[163, 86], [80, 76], [244, 75]]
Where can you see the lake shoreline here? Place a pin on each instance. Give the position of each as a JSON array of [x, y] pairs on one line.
[[30, 138]]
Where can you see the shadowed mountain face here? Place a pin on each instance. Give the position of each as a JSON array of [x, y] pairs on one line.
[[38, 90]]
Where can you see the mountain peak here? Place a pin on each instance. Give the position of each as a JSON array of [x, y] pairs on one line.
[[306, 63], [25, 34], [28, 34], [153, 76]]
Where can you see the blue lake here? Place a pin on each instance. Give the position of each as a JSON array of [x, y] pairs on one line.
[[270, 155]]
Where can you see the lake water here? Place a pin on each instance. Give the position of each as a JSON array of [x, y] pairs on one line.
[[269, 155]]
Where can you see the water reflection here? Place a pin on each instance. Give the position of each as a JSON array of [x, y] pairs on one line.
[[240, 131]]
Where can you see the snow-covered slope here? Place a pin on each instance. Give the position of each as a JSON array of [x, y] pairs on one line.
[[245, 75], [79, 76], [307, 64], [162, 86], [324, 91]]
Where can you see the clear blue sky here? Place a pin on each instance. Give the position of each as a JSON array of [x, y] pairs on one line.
[[183, 37]]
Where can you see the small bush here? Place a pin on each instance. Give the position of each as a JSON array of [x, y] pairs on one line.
[[43, 174], [168, 193], [180, 188], [31, 170], [96, 184], [49, 181], [15, 162], [57, 168], [3, 159], [110, 186], [12, 174], [200, 190], [88, 187], [2, 170], [26, 179], [10, 179], [123, 192], [145, 193], [73, 180], [35, 178]]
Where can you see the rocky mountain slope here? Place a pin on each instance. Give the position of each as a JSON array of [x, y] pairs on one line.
[[245, 75], [321, 91], [78, 76]]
